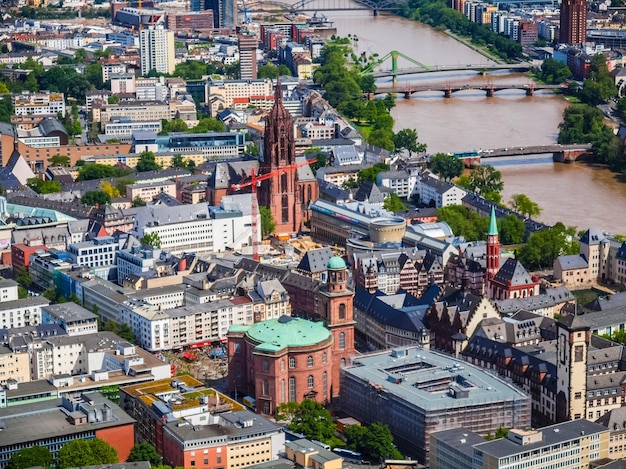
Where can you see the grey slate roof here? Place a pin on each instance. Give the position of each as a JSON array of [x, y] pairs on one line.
[[315, 260], [513, 270], [574, 261]]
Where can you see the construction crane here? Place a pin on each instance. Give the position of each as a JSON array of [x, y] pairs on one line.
[[253, 182]]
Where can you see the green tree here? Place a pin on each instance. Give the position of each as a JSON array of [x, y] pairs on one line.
[[92, 171], [138, 202], [144, 452], [369, 174], [446, 166], [147, 162], [485, 179], [599, 86], [512, 230], [208, 124], [368, 83], [310, 418], [522, 204], [406, 139], [271, 71], [554, 72], [151, 239], [51, 294], [95, 198], [175, 125], [81, 452], [43, 187], [375, 441], [31, 457], [178, 162], [22, 292], [544, 246], [464, 222], [23, 278], [59, 160], [389, 101], [394, 204], [268, 224], [126, 333], [501, 432], [121, 184]]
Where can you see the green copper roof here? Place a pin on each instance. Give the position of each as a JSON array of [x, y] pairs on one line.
[[277, 334], [336, 263], [493, 226]]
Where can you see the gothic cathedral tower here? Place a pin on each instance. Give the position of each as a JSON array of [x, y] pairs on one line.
[[334, 305], [572, 346], [280, 193]]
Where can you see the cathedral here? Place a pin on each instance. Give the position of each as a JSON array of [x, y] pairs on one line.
[[285, 193]]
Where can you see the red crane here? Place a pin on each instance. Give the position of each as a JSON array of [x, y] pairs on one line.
[[253, 182]]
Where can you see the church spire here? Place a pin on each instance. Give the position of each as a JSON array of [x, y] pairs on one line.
[[493, 226], [278, 92]]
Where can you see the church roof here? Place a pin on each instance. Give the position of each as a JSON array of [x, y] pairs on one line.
[[513, 271], [493, 226]]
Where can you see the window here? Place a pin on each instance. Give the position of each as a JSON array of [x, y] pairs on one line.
[[237, 347], [310, 381], [266, 366], [292, 389], [342, 311], [325, 385], [342, 340], [282, 391], [282, 365], [578, 353], [342, 363], [292, 362], [324, 358], [266, 388], [309, 361]]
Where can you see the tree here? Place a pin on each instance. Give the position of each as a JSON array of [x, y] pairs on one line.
[[522, 204], [406, 139], [389, 101], [43, 187], [91, 171], [485, 179], [554, 71], [501, 432], [544, 246], [81, 452], [144, 452], [374, 441], [59, 160], [23, 278], [151, 239], [271, 71], [599, 86], [109, 189], [95, 198], [310, 418], [208, 124], [147, 162], [126, 333], [50, 294], [446, 166], [464, 222], [175, 125], [31, 457], [369, 174], [512, 229], [268, 224], [394, 204], [138, 202]]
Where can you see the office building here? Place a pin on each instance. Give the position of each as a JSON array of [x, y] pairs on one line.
[[228, 14], [569, 445], [248, 45], [417, 392], [573, 22], [156, 50], [51, 424]]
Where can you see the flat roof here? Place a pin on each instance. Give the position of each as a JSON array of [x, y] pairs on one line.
[[47, 419], [424, 378], [461, 439], [70, 312], [554, 434]]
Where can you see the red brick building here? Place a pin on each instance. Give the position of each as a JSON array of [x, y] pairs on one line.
[[292, 359], [21, 252]]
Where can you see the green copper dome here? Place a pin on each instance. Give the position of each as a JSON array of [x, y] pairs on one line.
[[286, 331], [336, 263]]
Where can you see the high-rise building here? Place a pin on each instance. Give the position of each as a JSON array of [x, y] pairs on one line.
[[247, 56], [156, 47], [228, 14], [573, 22]]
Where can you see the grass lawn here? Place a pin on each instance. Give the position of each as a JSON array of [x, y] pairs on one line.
[[584, 297], [364, 129]]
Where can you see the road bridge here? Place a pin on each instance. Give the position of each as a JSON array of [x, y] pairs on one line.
[[560, 153], [523, 67], [449, 89]]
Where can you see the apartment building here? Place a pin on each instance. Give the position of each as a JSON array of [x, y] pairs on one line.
[[156, 50], [228, 93], [72, 318], [39, 103], [99, 252], [136, 111], [22, 312], [147, 191]]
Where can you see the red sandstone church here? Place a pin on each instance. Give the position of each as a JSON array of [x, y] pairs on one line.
[[292, 359], [290, 191]]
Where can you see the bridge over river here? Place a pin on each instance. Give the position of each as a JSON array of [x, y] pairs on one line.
[[448, 89], [560, 153]]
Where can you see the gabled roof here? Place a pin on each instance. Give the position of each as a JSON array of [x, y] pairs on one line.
[[574, 261], [513, 271], [316, 260]]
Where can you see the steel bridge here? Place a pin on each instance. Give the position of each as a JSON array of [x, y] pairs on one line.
[[340, 5]]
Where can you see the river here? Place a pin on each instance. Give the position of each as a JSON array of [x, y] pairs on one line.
[[577, 194]]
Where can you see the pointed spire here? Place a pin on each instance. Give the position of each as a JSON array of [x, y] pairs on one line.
[[278, 92], [493, 226]]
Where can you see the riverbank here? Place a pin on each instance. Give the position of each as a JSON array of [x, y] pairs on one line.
[[468, 43]]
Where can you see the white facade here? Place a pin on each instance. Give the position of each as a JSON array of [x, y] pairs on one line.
[[20, 313], [127, 128], [156, 50], [8, 290], [98, 253], [39, 104]]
